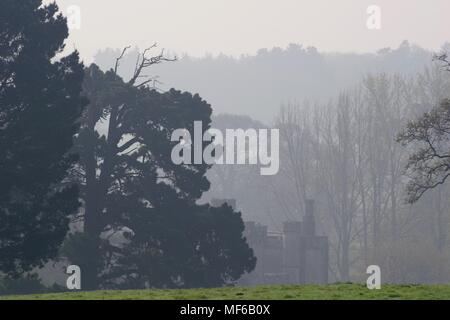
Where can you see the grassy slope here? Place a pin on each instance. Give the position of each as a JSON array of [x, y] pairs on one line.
[[335, 292]]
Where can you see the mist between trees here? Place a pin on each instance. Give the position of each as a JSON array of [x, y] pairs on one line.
[[338, 146], [255, 85], [88, 179], [341, 151], [344, 154]]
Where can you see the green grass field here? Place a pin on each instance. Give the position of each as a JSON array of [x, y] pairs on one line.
[[287, 292]]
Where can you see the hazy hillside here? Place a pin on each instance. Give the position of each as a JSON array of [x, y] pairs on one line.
[[257, 85]]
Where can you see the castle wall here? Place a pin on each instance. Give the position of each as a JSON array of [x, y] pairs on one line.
[[297, 256]]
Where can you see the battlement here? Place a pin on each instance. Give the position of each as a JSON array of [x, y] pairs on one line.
[[297, 255]]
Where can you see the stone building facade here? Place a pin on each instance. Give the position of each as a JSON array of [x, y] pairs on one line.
[[295, 256]]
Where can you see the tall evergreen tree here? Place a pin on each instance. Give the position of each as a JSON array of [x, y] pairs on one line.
[[40, 105], [142, 226]]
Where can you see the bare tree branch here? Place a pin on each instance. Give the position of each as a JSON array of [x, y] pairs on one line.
[[144, 61], [120, 58]]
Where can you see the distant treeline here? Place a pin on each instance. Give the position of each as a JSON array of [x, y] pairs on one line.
[[256, 85]]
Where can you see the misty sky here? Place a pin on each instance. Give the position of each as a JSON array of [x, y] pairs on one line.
[[234, 27]]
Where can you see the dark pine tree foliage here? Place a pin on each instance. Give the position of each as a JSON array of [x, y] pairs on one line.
[[142, 225], [40, 103]]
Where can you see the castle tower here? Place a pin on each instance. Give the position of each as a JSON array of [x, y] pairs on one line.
[[313, 250], [292, 253]]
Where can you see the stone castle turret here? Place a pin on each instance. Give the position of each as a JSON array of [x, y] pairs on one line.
[[297, 255]]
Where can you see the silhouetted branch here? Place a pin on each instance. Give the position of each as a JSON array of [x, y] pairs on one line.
[[120, 58], [144, 62], [443, 57]]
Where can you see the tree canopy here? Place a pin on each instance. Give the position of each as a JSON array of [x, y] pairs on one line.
[[40, 104], [141, 219]]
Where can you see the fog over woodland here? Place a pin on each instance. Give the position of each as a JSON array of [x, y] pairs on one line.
[[256, 85], [339, 115], [363, 117]]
